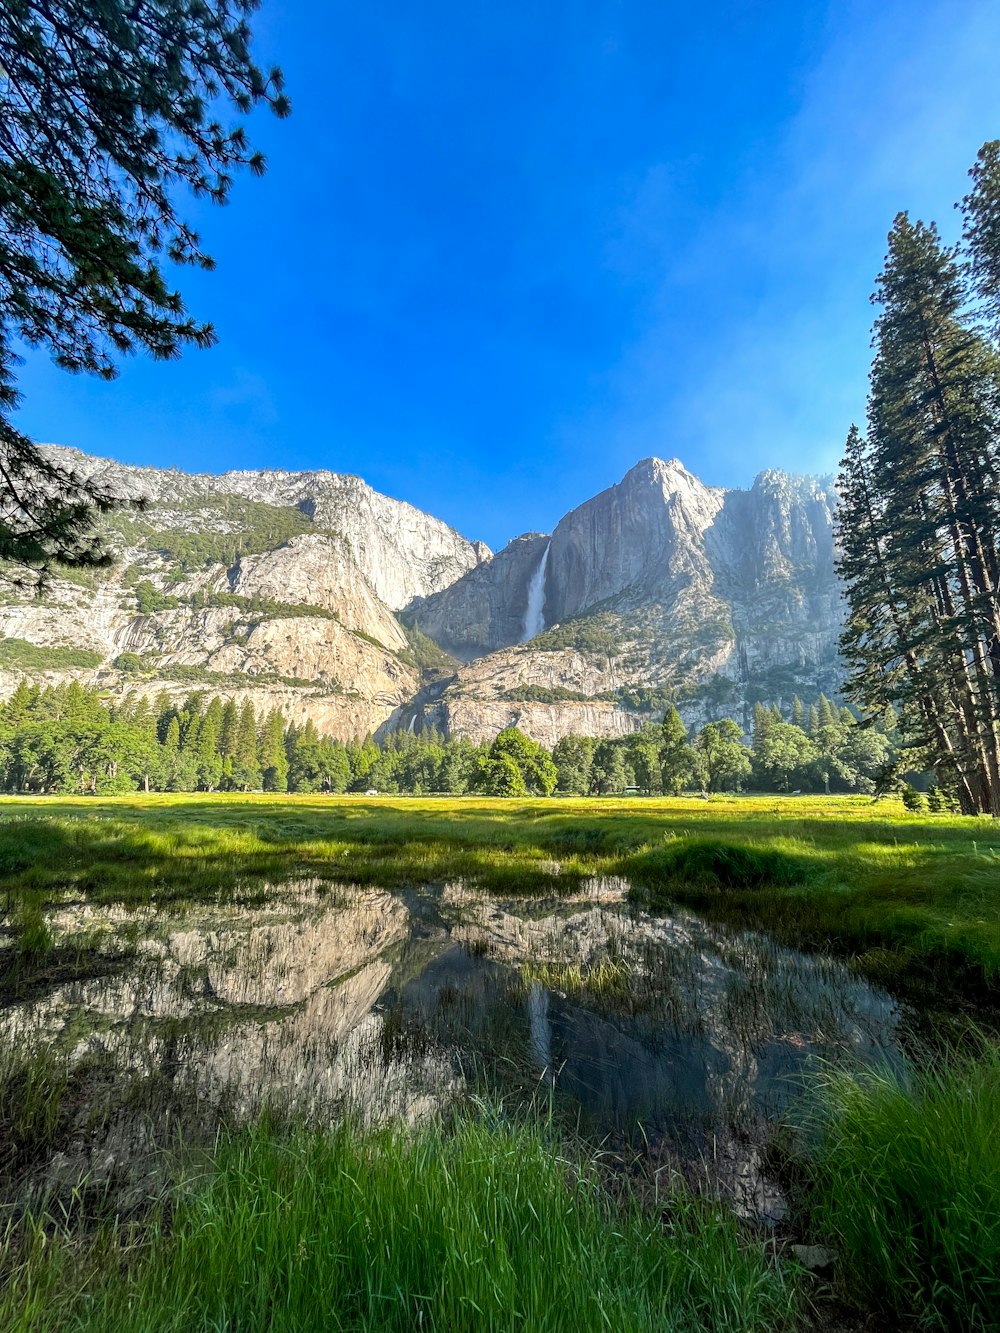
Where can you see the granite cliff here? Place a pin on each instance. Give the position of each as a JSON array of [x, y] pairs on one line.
[[660, 588], [313, 593]]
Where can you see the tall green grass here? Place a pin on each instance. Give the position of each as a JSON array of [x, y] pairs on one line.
[[905, 1183], [481, 1226], [33, 1095]]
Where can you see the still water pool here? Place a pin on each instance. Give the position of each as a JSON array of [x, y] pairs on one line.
[[668, 1043]]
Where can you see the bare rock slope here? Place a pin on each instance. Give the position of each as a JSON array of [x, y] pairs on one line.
[[660, 589], [313, 593]]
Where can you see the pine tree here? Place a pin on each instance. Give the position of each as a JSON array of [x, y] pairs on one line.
[[981, 208], [206, 749], [919, 519], [826, 712], [228, 729], [20, 704], [246, 763], [172, 735], [336, 766], [762, 723], [572, 757], [105, 115], [273, 759]]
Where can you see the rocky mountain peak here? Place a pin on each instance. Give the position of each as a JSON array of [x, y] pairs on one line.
[[289, 588], [657, 474], [777, 481]]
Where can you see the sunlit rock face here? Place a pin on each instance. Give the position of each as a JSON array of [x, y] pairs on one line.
[[275, 588], [660, 586], [642, 536], [658, 589], [319, 571], [402, 552]]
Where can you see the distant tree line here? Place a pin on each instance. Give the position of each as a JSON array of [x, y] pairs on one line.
[[67, 739], [919, 518]]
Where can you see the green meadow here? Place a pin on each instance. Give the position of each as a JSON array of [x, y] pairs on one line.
[[910, 897], [487, 1218]]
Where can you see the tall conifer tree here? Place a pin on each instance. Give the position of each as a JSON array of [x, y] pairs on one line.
[[918, 522]]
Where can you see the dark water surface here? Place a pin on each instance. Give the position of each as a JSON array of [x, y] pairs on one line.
[[667, 1042]]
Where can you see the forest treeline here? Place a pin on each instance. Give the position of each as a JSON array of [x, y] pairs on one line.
[[66, 739]]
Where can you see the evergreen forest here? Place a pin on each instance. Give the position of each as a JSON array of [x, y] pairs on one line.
[[67, 739]]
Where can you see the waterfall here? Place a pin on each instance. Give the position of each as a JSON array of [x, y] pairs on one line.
[[534, 612], [540, 1029]]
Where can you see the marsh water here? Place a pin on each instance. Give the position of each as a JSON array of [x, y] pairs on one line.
[[667, 1043]]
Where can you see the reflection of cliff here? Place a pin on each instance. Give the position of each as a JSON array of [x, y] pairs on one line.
[[329, 1056], [275, 953], [275, 1002], [705, 1023], [283, 962], [655, 1030]]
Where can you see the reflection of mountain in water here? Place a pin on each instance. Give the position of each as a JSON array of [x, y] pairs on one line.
[[655, 1029]]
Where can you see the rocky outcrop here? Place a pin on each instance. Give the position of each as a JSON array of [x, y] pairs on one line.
[[318, 571], [402, 552], [283, 588]]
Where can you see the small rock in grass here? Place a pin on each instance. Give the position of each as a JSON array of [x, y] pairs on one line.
[[817, 1258]]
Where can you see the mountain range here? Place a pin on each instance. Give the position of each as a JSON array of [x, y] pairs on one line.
[[313, 593]]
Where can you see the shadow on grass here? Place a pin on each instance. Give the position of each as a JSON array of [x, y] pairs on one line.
[[909, 897]]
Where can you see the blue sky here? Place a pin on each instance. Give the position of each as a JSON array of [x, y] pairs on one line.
[[504, 251]]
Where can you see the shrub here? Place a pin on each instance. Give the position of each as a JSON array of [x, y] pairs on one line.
[[149, 599], [545, 694], [716, 864], [130, 663], [912, 799]]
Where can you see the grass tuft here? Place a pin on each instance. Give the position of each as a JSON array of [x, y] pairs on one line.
[[714, 864], [904, 1182]]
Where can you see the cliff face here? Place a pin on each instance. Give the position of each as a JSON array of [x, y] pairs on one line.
[[284, 588], [659, 588], [276, 587], [487, 609], [401, 551], [643, 537]]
